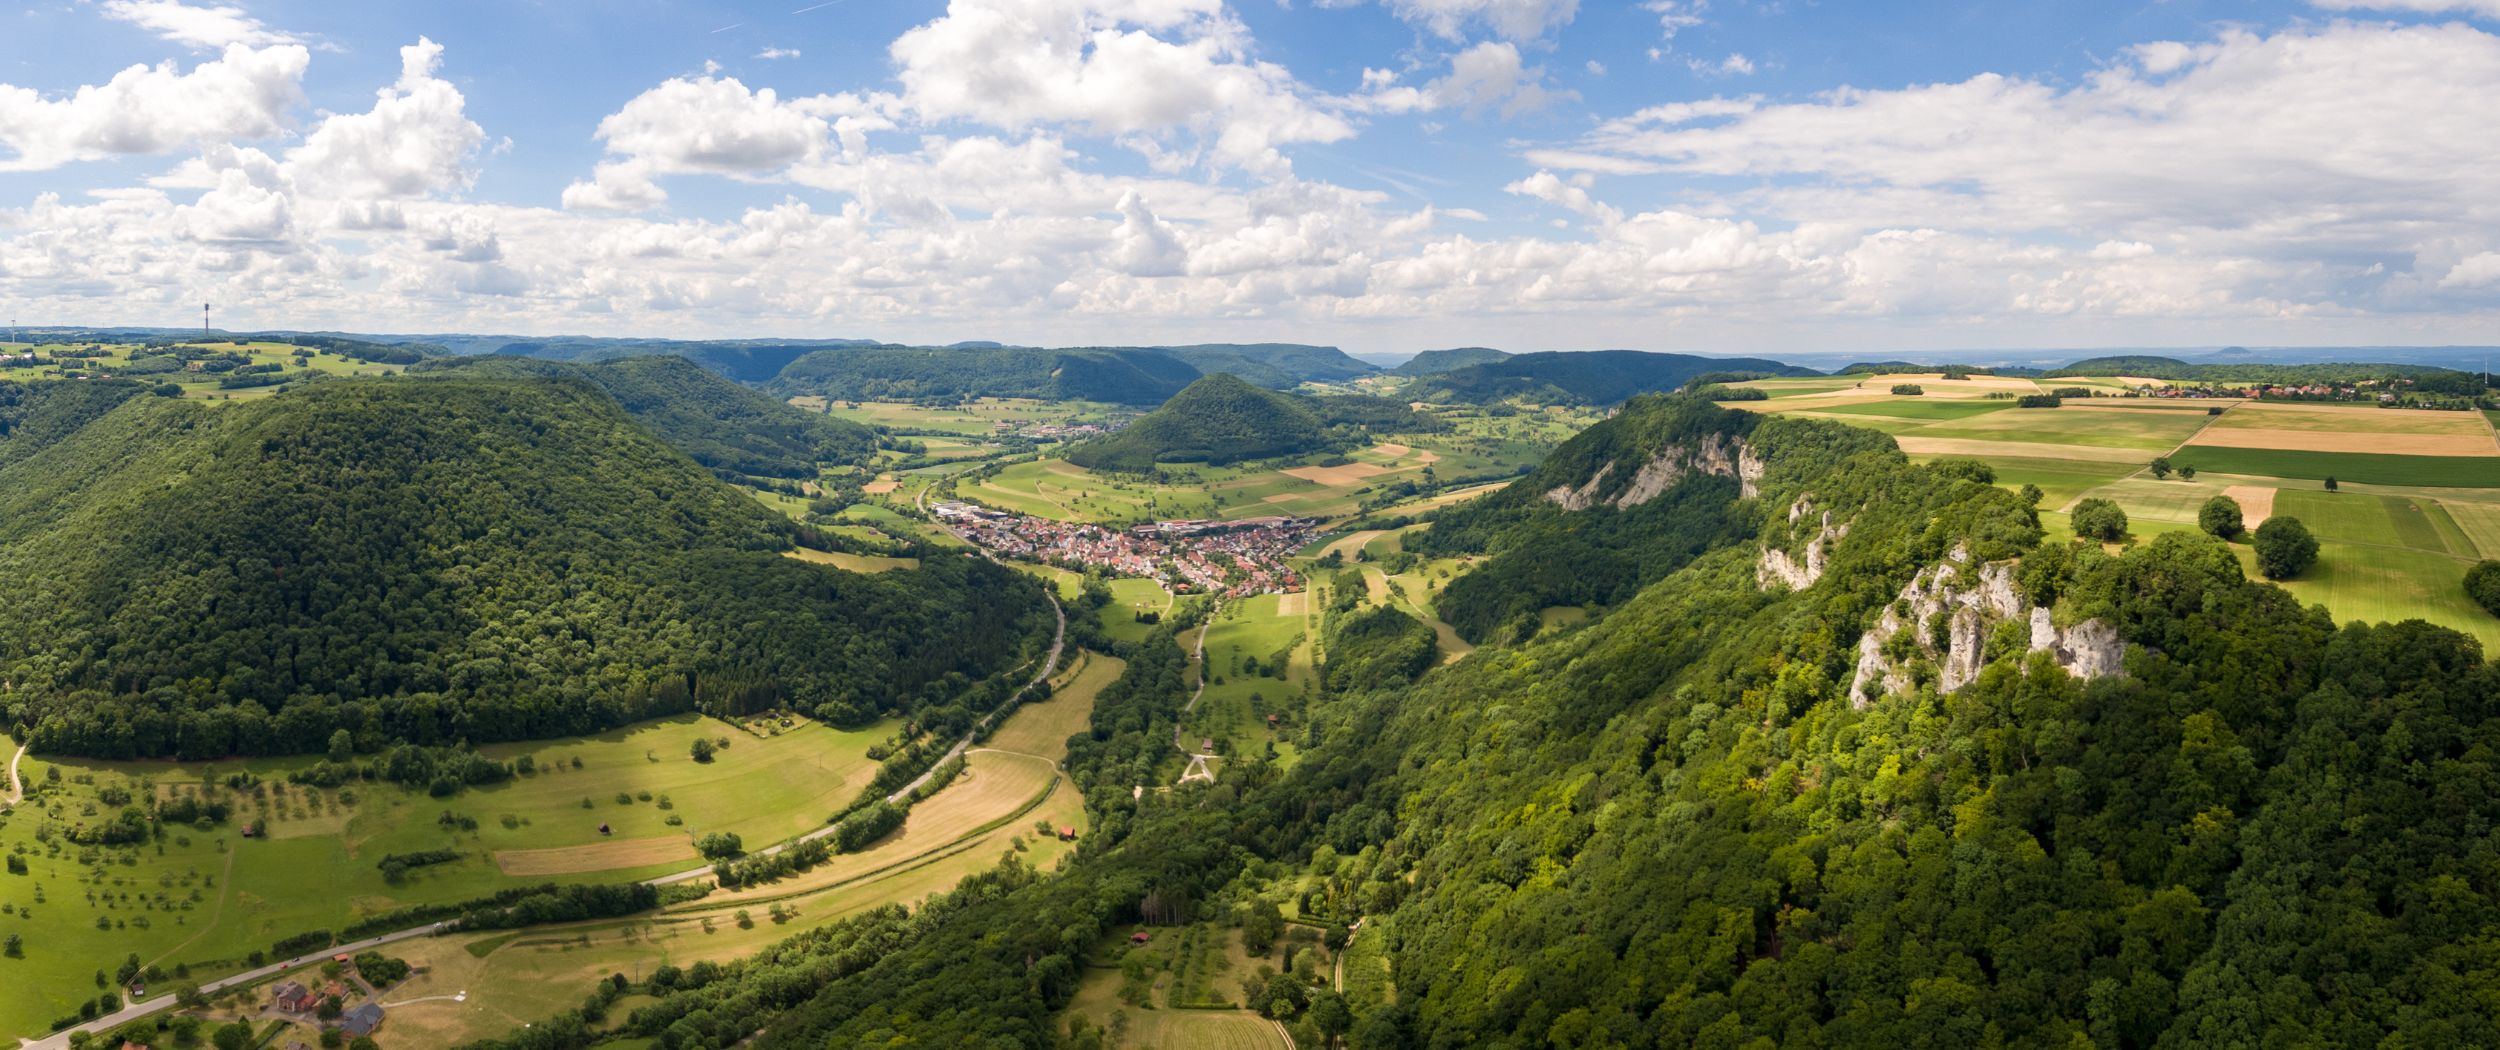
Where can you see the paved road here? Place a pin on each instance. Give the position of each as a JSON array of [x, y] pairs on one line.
[[162, 1000]]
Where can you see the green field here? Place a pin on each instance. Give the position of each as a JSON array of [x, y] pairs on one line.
[[207, 897], [203, 385], [1243, 686], [518, 976], [1165, 993], [2364, 467], [2380, 558], [1478, 445], [2061, 481], [2153, 432], [974, 419]]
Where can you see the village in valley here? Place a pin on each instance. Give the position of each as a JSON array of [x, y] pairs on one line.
[[1227, 558]]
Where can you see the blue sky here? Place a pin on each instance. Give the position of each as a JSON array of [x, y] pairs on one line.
[[1398, 175]]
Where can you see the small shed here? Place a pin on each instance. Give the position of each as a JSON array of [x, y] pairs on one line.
[[1140, 937], [1066, 833]]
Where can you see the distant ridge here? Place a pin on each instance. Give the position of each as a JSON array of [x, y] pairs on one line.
[[1433, 362], [899, 373], [1589, 377]]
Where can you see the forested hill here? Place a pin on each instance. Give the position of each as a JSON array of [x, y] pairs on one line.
[[892, 373], [724, 426], [1277, 366], [2233, 823], [745, 360], [33, 416], [1587, 377], [2429, 376], [1224, 419], [1434, 362], [435, 559]]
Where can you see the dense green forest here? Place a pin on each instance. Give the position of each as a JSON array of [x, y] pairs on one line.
[[724, 426], [1591, 377], [1435, 362], [1277, 366], [1671, 826], [893, 373], [1224, 419], [432, 559], [744, 360], [33, 416], [1623, 536]]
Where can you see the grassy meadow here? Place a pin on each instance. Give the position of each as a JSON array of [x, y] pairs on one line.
[[1010, 789], [206, 898]]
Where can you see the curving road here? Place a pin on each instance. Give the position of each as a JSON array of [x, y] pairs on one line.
[[161, 1001], [17, 788]]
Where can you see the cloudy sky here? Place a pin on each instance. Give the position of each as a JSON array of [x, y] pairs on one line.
[[1721, 175]]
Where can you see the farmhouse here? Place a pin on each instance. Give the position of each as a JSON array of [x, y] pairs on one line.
[[294, 998], [362, 1020]]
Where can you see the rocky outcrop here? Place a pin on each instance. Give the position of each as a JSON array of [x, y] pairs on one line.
[[1715, 454], [1779, 566], [2088, 650], [1583, 497], [1950, 610]]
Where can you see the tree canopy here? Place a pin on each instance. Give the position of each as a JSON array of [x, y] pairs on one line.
[[432, 560]]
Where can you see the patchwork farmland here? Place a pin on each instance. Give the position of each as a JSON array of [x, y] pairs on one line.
[[2416, 499]]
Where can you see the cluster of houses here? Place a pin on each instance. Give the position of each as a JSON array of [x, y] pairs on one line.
[[1233, 559], [1053, 431], [295, 997]]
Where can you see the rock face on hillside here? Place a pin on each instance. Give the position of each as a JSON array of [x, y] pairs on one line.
[[1799, 572], [1714, 454], [1950, 611]]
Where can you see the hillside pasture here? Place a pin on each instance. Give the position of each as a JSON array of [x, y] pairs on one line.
[[853, 562], [516, 977], [208, 897]]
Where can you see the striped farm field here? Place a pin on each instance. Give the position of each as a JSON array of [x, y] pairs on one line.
[[2326, 428], [2364, 467], [1920, 408], [2145, 431], [2480, 522]]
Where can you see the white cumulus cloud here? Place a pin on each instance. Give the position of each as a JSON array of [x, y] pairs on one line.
[[206, 27], [245, 93]]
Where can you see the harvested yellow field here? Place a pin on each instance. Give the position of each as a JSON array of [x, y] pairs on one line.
[[1293, 603], [1926, 446], [1338, 477], [595, 856], [2256, 503], [2351, 419], [1391, 450]]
